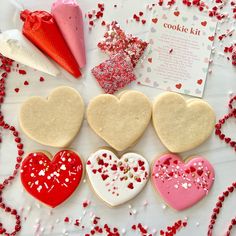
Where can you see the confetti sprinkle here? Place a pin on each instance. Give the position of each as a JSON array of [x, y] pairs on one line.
[[115, 73], [115, 41]]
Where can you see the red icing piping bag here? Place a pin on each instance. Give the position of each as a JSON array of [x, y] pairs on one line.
[[41, 29]]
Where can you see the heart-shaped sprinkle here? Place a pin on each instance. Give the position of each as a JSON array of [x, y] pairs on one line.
[[176, 180], [51, 181], [176, 13], [154, 20], [116, 181], [211, 38]]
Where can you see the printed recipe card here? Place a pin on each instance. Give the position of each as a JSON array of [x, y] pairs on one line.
[[179, 52]]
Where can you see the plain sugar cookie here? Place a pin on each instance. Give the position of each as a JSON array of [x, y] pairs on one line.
[[54, 121], [182, 125], [182, 184], [115, 180], [121, 120], [51, 181]]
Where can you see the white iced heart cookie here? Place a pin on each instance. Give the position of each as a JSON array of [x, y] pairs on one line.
[[115, 180], [182, 125], [120, 121], [15, 46], [54, 121]]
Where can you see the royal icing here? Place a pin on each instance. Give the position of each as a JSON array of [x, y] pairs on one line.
[[42, 30], [17, 47], [51, 181], [116, 181], [69, 18], [182, 184]]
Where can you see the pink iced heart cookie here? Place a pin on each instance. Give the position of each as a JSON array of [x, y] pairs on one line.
[[115, 180], [182, 184]]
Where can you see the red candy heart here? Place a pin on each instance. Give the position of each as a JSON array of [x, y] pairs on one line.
[[51, 181]]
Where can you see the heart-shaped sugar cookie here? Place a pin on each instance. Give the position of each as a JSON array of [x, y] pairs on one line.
[[54, 121], [120, 121], [117, 181], [182, 125], [51, 181], [182, 184]]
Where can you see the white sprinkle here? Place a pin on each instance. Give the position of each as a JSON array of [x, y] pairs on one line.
[[154, 231], [185, 185], [32, 174], [197, 224], [67, 180], [63, 167], [123, 231], [41, 173], [39, 188], [134, 211], [164, 206]]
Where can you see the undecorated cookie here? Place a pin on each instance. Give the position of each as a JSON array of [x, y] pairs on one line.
[[182, 184], [115, 180], [182, 125], [54, 121], [51, 181], [120, 121]]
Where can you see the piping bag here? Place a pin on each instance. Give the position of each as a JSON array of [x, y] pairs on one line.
[[41, 29], [17, 47], [69, 18]]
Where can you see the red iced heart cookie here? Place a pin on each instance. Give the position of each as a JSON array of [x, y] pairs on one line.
[[182, 184], [51, 181]]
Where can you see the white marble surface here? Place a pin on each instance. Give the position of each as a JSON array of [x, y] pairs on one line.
[[220, 82]]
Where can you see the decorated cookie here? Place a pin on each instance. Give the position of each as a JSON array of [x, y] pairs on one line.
[[120, 121], [182, 125], [51, 181], [54, 121], [115, 180], [182, 184]]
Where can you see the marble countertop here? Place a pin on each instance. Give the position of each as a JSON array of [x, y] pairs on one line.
[[41, 220]]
